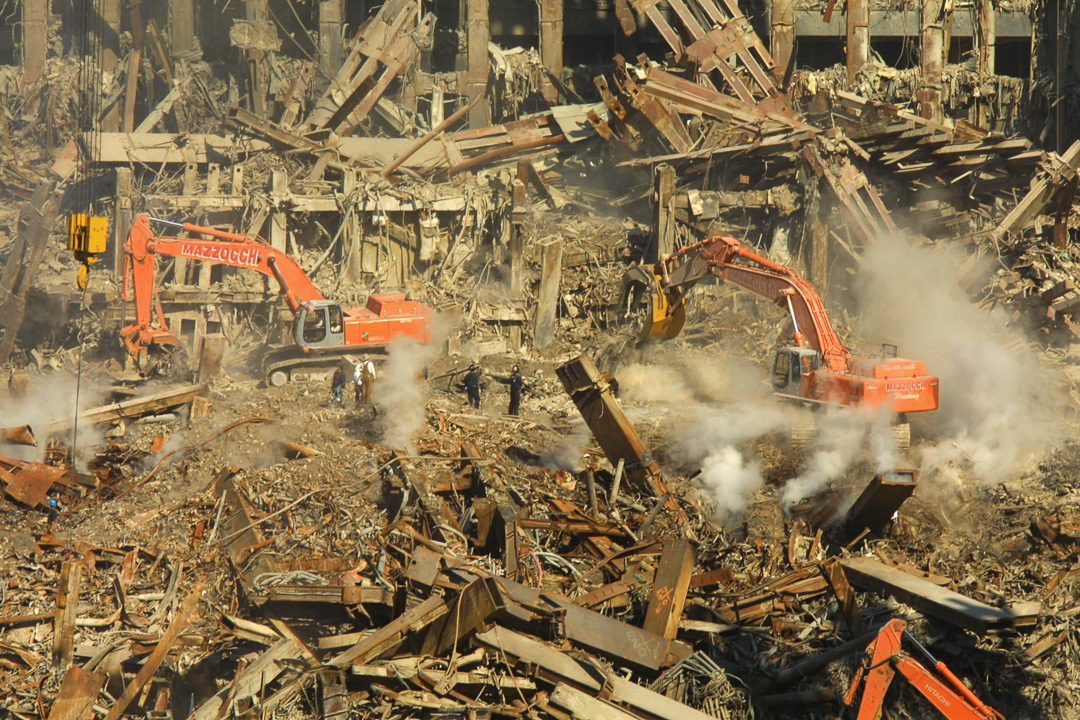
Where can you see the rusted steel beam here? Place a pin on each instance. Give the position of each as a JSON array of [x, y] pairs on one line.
[[551, 44], [834, 574], [67, 610], [594, 396], [932, 58], [880, 499], [476, 76], [923, 595], [782, 36], [179, 622], [669, 590], [858, 37]]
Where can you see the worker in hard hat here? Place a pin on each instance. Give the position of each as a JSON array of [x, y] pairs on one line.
[[517, 383], [54, 513], [472, 385]]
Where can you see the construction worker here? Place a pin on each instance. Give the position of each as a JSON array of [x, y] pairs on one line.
[[472, 385], [367, 380], [337, 388], [516, 384], [54, 513]]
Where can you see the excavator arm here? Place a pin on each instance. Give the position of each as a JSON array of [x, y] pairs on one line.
[[237, 250], [725, 258], [886, 658]]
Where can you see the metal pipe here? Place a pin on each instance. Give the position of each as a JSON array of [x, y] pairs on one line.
[[654, 513], [590, 484], [614, 495]]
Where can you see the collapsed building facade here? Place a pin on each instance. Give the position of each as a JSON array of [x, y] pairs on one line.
[[505, 163]]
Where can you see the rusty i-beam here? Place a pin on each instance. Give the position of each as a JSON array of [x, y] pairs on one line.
[[593, 392]]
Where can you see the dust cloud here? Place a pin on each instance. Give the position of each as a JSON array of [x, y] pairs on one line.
[[400, 391], [997, 408], [48, 399], [721, 403], [843, 437], [569, 452]]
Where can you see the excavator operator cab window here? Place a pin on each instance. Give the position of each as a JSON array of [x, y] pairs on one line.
[[336, 326], [314, 326], [320, 325], [782, 369]]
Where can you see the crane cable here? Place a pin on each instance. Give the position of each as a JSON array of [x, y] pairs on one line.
[[90, 69]]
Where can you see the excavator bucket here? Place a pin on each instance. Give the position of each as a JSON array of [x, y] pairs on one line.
[[645, 304]]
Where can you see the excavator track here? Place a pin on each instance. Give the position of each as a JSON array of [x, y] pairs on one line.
[[804, 432], [278, 364]]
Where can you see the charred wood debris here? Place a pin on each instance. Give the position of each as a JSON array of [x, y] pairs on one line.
[[212, 563]]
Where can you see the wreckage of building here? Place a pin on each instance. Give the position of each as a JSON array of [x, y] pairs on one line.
[[638, 543]]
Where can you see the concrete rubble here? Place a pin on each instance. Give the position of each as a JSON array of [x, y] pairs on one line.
[[656, 535]]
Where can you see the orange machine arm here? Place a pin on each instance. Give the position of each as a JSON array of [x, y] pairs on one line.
[[237, 250], [720, 256], [953, 699]]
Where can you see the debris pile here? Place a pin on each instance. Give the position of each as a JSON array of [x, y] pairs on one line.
[[202, 527]]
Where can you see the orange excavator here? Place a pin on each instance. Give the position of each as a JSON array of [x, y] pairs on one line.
[[322, 329], [885, 657], [819, 369]]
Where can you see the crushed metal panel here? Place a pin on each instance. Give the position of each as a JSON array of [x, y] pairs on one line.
[[27, 485], [573, 120], [470, 610], [254, 35], [78, 692]]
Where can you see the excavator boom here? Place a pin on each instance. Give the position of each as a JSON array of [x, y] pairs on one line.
[[321, 325], [820, 369], [885, 659]]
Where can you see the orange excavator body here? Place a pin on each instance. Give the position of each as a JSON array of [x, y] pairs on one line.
[[820, 369], [321, 325]]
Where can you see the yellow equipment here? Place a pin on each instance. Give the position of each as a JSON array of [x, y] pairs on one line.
[[88, 237], [643, 298]]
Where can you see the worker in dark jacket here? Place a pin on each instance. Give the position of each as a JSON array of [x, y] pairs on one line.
[[516, 384], [337, 388], [472, 385], [54, 513]]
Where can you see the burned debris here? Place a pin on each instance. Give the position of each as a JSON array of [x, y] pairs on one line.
[[784, 316]]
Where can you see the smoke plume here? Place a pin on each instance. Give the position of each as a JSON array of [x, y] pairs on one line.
[[839, 441], [720, 402], [50, 398], [711, 437], [400, 391], [997, 406]]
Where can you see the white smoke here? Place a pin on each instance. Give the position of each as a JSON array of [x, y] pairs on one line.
[[997, 405], [568, 454], [400, 392], [711, 438], [731, 479], [839, 441], [50, 398]]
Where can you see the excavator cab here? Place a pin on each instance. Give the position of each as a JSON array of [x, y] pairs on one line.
[[790, 365], [320, 324]]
